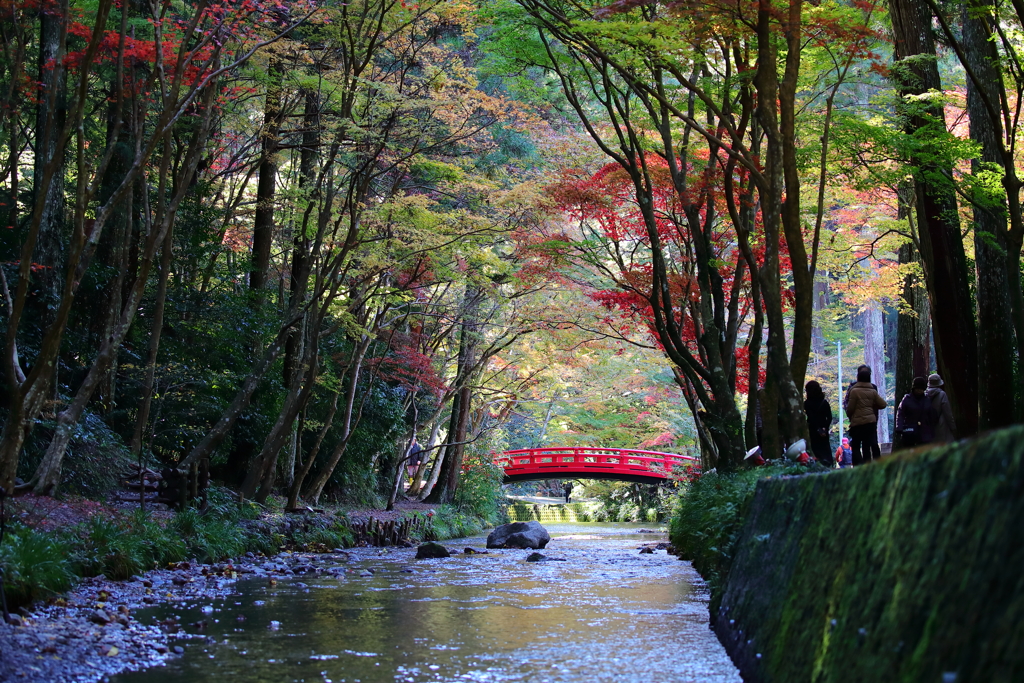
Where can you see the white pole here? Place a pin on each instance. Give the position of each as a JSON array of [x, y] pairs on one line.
[[839, 383]]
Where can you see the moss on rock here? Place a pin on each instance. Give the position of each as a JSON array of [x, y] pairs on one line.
[[909, 569]]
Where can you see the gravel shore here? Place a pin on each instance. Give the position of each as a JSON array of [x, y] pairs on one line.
[[90, 633]]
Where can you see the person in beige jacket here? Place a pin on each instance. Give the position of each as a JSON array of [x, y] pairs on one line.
[[862, 405]]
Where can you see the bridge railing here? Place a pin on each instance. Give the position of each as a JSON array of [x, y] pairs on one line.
[[552, 462]]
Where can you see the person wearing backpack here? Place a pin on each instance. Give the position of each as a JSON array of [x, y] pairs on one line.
[[862, 405], [916, 417], [844, 454], [945, 430]]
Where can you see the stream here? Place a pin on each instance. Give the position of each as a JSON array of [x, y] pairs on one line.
[[605, 613]]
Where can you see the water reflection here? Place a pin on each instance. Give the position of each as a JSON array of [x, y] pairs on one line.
[[604, 614]]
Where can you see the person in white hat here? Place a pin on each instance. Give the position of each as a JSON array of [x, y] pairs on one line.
[[945, 430]]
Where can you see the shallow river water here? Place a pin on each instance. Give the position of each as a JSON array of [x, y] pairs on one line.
[[607, 613]]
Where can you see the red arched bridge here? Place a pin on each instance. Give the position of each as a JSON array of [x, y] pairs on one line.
[[620, 464]]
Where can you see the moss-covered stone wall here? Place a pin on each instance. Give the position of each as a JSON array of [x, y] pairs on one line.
[[908, 569]]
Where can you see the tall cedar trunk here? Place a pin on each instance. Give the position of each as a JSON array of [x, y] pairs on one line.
[[51, 113], [743, 218], [942, 249], [771, 437], [912, 333], [996, 348], [266, 186], [874, 356], [99, 305]]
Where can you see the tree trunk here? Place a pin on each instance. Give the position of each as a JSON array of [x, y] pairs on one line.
[[316, 488], [47, 475], [262, 471], [439, 490], [792, 221], [912, 333], [142, 419], [448, 480], [266, 186], [790, 406], [942, 249], [874, 355], [51, 113], [419, 487], [996, 348]]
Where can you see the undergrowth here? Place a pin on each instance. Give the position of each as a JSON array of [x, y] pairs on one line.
[[708, 515], [451, 522], [622, 502], [38, 565]]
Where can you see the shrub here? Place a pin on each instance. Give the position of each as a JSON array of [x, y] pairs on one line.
[[35, 565], [708, 516], [451, 522], [208, 538], [622, 502], [479, 492], [96, 460]]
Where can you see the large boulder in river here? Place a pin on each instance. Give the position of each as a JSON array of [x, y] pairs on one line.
[[431, 551], [519, 535]]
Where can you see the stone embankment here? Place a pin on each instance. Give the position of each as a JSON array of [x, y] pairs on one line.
[[909, 569]]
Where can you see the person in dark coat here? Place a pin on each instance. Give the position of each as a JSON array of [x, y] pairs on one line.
[[415, 458], [819, 421], [916, 417], [945, 427], [567, 489]]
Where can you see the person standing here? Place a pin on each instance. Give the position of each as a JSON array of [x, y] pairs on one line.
[[916, 417], [945, 430], [567, 488], [844, 454], [819, 421], [412, 463], [862, 406]]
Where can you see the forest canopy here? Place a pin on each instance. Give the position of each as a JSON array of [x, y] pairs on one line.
[[292, 241]]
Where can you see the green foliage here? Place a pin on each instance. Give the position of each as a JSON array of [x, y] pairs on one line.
[[96, 461], [448, 521], [479, 491], [321, 534], [35, 564], [208, 539], [708, 515], [622, 502], [221, 502], [119, 549]]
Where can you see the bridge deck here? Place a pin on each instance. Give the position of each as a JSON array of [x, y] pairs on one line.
[[619, 464]]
